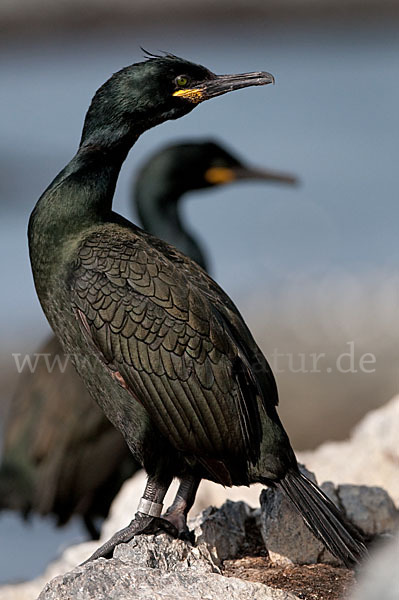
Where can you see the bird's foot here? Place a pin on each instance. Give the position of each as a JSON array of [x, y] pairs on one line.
[[179, 520], [140, 524]]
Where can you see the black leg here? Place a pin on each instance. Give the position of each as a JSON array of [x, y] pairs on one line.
[[178, 511], [146, 520]]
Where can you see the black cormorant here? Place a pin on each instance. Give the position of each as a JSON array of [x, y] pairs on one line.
[[161, 347], [178, 168], [56, 437]]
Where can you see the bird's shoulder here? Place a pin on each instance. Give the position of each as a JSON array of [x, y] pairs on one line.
[[132, 266]]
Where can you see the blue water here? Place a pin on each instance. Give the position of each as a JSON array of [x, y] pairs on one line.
[[27, 547], [331, 118]]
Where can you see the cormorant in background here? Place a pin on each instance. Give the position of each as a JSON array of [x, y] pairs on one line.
[[61, 455], [179, 168], [161, 347]]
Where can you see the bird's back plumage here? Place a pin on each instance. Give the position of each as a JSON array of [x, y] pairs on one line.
[[165, 327]]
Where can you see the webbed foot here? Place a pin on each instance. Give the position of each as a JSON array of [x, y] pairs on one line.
[[140, 524]]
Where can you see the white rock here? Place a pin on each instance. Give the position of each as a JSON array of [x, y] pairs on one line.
[[155, 568], [379, 577], [369, 457]]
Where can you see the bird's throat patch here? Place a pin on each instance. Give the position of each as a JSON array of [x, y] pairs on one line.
[[194, 95]]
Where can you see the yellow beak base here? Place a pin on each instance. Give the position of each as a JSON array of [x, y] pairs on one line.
[[219, 175], [192, 95]]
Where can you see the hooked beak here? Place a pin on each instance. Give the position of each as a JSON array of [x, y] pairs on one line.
[[221, 84], [228, 83], [223, 175]]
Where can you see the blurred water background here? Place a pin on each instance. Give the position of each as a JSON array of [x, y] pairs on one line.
[[313, 268]]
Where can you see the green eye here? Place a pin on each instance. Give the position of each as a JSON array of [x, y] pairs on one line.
[[181, 80]]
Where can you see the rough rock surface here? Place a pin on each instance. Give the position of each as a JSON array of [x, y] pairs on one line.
[[369, 457], [152, 567], [369, 508], [289, 541], [224, 530], [166, 554], [155, 569], [284, 533], [220, 534]]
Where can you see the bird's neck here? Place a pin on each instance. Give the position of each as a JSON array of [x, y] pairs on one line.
[[79, 198], [159, 209]]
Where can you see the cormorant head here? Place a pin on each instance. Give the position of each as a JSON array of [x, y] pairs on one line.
[[161, 88], [185, 166]]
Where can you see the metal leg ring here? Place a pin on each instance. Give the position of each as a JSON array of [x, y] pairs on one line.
[[147, 507]]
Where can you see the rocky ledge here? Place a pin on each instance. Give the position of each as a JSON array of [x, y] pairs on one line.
[[158, 567], [152, 568]]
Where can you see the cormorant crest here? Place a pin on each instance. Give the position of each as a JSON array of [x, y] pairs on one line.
[[151, 56]]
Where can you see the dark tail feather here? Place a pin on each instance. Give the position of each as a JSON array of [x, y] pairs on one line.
[[323, 518]]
